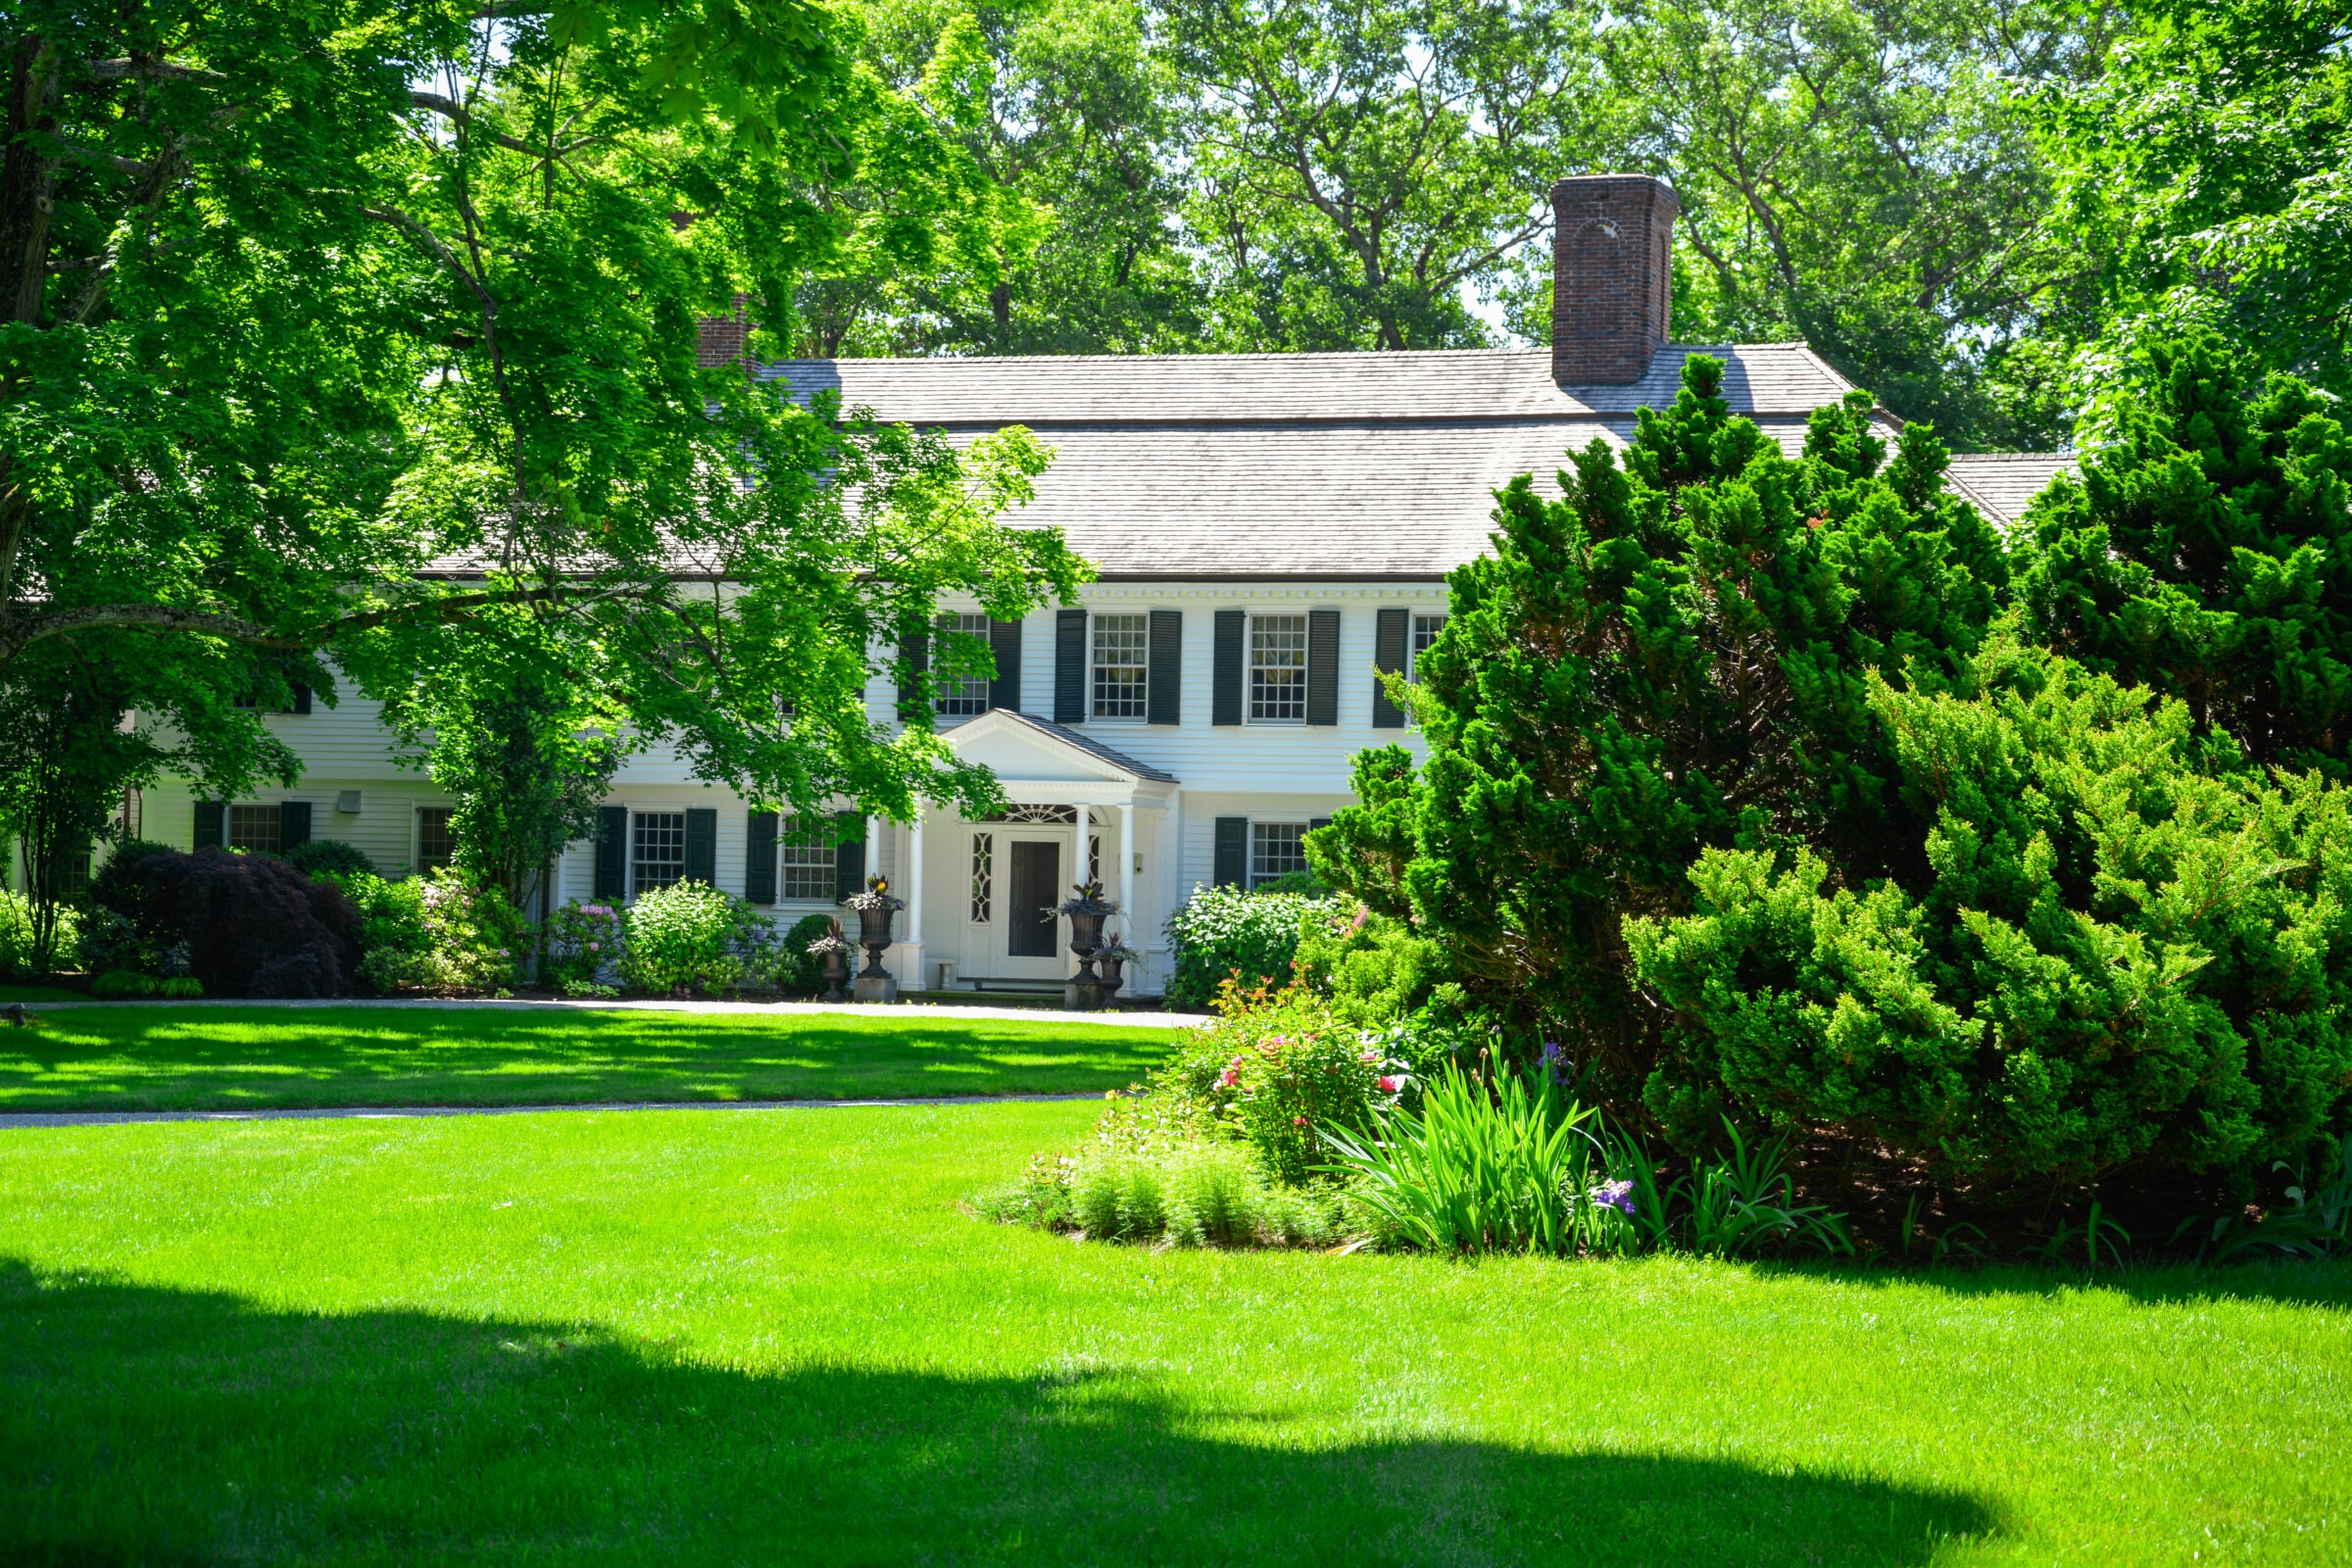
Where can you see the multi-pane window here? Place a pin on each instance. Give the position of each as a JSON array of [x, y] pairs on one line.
[[960, 699], [1425, 632], [434, 847], [254, 827], [659, 845], [1121, 643], [1276, 849], [807, 860], [984, 877], [1278, 668]]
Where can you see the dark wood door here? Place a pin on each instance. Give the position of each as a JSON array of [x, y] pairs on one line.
[[1030, 924]]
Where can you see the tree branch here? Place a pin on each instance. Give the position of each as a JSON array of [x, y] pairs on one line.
[[462, 116], [154, 71]]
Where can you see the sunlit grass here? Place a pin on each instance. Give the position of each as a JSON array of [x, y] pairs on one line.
[[692, 1336], [177, 1058]]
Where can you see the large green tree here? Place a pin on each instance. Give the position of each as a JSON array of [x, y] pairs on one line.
[[1868, 179], [331, 326], [1063, 112], [1363, 173], [2207, 176]]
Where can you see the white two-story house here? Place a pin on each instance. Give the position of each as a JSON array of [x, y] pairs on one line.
[[1270, 530]]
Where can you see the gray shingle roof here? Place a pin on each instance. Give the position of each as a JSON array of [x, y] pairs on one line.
[[2003, 483], [1326, 466], [1239, 388]]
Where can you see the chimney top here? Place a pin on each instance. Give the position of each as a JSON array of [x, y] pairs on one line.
[[1611, 277]]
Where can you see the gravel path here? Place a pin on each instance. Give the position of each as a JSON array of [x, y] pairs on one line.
[[112, 1118]]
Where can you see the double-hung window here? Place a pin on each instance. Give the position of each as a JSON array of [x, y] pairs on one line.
[[1278, 670], [1121, 666], [660, 846], [434, 846], [254, 827], [962, 699], [1425, 632], [807, 860], [1276, 850]]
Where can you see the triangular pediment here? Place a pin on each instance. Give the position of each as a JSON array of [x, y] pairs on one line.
[[1014, 746]]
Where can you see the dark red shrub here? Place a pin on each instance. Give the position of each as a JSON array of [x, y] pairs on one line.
[[254, 925]]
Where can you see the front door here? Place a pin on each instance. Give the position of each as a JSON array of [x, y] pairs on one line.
[[1032, 887]]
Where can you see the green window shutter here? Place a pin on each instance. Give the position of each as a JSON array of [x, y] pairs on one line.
[[1233, 629], [1164, 681], [1391, 630], [1069, 666], [702, 845], [301, 698], [1322, 666], [293, 824], [915, 655], [612, 853], [1232, 866], [1004, 642], [759, 860], [848, 855], [211, 824]]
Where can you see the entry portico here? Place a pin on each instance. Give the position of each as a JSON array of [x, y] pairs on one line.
[[980, 893]]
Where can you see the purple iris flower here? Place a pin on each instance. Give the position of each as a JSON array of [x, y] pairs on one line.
[[1618, 1196]]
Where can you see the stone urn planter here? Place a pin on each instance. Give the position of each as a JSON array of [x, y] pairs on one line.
[[1086, 910], [1113, 955], [875, 908], [833, 953]]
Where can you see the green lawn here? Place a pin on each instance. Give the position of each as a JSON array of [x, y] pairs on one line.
[[162, 1058], [699, 1338]]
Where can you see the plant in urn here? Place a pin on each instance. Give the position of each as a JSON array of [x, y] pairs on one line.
[[874, 907]]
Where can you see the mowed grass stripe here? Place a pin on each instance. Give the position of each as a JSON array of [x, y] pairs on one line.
[[704, 1338], [217, 1058]]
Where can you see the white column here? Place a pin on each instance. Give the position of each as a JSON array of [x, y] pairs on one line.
[[873, 845], [1127, 873], [914, 880]]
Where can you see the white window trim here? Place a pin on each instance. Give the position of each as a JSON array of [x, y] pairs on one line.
[[1250, 666], [1093, 632], [1250, 874]]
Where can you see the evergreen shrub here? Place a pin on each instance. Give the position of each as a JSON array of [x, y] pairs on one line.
[[2125, 950], [1670, 657]]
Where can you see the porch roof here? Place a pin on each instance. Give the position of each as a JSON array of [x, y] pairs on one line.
[[1002, 736]]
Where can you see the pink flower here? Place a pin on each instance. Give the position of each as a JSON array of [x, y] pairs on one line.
[[593, 945], [1298, 1121], [1230, 1077], [1389, 1085], [502, 953]]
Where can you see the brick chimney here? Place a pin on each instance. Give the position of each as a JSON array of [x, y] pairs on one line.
[[719, 339], [1611, 276]]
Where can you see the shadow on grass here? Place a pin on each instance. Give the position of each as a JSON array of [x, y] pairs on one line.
[[282, 1057], [2324, 1283], [147, 1425]]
